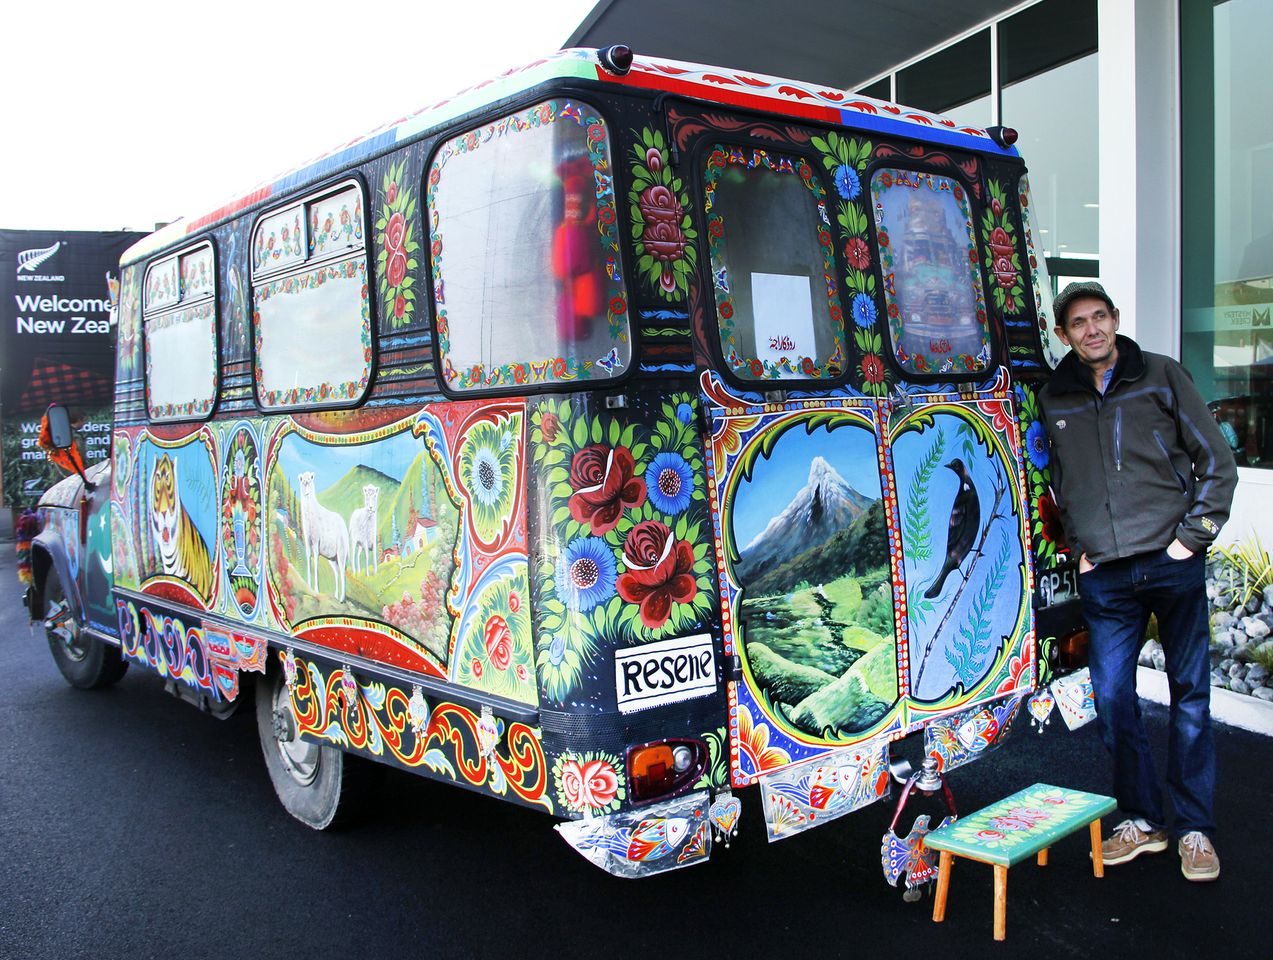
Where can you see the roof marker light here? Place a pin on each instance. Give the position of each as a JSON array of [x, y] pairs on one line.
[[1004, 136], [616, 59]]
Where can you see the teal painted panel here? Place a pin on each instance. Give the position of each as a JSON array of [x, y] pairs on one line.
[[1021, 825]]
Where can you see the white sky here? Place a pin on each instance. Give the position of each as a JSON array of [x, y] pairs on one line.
[[120, 114]]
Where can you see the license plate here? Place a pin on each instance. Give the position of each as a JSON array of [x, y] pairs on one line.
[[1057, 586]]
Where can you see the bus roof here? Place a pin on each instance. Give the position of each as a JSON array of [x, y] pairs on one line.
[[752, 91]]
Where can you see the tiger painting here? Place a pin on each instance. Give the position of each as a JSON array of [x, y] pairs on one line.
[[182, 552]]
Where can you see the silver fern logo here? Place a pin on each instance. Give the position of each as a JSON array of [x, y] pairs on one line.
[[31, 260]]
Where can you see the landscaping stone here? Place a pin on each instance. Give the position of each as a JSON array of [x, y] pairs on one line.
[[1237, 670], [1255, 628], [1237, 685], [1264, 693], [1257, 674]]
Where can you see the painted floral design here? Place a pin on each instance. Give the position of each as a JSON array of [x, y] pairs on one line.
[[1047, 533], [660, 571], [670, 482], [625, 539], [129, 324], [604, 485], [585, 574], [240, 524], [661, 223], [396, 247], [496, 650], [488, 472], [753, 743], [589, 784], [845, 159], [1003, 262]]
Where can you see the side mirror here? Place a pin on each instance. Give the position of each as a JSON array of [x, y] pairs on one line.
[[60, 433]]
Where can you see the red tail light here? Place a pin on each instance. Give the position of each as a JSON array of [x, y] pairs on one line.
[[665, 768]]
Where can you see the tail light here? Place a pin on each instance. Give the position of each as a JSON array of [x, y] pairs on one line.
[[1072, 650], [665, 768]]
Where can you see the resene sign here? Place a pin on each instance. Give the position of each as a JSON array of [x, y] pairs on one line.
[[56, 302], [664, 672]]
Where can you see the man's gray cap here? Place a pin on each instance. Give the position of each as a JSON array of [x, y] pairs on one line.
[[1082, 288]]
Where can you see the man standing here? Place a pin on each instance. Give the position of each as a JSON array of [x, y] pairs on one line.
[[1144, 480]]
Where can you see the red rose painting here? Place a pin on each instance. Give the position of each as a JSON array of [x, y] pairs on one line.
[[604, 484], [660, 572]]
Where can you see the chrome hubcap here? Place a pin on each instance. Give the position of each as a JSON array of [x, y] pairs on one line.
[[60, 624], [300, 759]]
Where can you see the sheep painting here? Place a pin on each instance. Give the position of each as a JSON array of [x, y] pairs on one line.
[[362, 531], [325, 535]]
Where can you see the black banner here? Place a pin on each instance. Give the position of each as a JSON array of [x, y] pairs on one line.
[[57, 290]]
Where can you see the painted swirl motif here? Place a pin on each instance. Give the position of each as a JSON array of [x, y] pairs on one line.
[[377, 720]]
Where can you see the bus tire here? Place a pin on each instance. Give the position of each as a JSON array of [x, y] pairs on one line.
[[86, 662], [318, 785]]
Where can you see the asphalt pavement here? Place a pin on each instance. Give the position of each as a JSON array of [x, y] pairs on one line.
[[133, 826]]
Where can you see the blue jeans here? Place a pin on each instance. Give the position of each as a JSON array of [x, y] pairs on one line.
[[1118, 597]]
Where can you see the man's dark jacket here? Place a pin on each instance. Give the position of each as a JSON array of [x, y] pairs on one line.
[[1140, 465]]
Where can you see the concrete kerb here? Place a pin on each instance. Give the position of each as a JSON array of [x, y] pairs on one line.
[[1235, 709]]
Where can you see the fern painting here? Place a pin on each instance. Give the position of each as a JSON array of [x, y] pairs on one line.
[[962, 550]]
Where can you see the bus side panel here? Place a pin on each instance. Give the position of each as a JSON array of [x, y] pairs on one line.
[[624, 587], [400, 540]]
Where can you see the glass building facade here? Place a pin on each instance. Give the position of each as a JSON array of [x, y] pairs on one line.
[[1035, 70], [1227, 212]]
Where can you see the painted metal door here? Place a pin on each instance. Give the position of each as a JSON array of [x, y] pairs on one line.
[[857, 610]]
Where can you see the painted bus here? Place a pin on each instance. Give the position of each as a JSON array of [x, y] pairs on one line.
[[609, 438]]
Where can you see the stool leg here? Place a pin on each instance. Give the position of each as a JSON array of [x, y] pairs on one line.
[[1001, 902], [944, 866], [1043, 857], [1098, 863]]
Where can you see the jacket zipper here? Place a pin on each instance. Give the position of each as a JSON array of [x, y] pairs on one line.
[[1118, 439]]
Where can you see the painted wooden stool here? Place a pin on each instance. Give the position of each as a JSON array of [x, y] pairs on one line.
[[1005, 833]]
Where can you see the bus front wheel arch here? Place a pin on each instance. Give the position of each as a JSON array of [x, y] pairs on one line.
[[87, 662]]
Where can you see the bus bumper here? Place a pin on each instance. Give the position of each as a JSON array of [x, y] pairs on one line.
[[639, 843]]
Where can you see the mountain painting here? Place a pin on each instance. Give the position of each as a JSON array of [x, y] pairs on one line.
[[816, 615]]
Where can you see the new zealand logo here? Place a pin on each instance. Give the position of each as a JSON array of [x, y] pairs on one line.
[[31, 260]]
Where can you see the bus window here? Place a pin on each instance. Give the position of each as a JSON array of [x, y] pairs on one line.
[[932, 280], [179, 321], [309, 286], [773, 263], [527, 281]]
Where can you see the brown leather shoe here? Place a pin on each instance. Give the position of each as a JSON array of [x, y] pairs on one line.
[[1129, 841], [1198, 859]]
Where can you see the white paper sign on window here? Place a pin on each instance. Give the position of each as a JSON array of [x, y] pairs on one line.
[[783, 311]]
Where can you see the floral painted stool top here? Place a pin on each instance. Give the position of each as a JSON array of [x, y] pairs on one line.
[[1005, 833]]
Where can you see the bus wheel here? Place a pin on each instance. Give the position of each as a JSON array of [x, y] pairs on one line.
[[319, 786], [85, 661]]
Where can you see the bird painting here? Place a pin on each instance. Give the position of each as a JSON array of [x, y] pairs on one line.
[[965, 523]]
